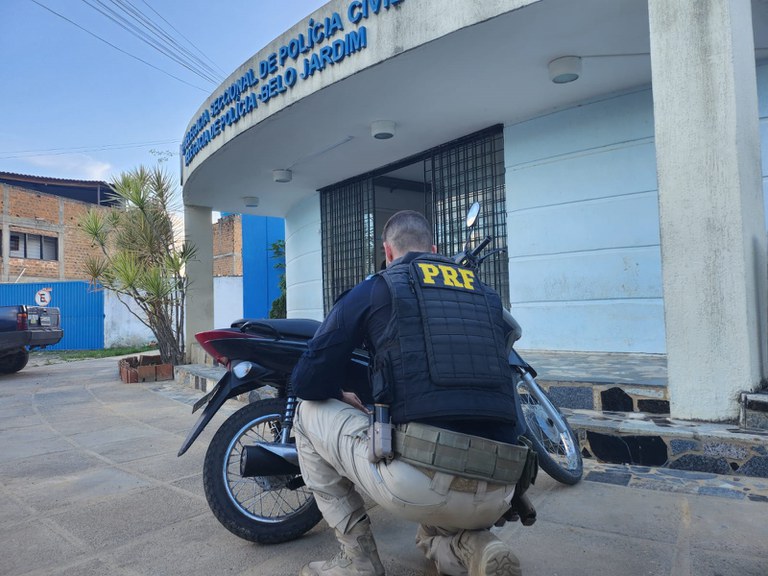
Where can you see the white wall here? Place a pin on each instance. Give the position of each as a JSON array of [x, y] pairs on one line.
[[304, 260], [121, 328], [583, 228], [227, 300], [762, 103]]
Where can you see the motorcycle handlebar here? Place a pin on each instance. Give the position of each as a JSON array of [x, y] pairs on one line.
[[469, 258], [480, 247]]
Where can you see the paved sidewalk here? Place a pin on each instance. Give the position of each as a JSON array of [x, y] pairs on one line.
[[90, 485]]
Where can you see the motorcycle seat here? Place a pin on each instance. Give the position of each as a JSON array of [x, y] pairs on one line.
[[286, 327]]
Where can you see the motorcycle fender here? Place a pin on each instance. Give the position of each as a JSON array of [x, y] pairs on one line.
[[516, 360], [228, 387]]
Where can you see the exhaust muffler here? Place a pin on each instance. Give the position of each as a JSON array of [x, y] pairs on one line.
[[269, 459]]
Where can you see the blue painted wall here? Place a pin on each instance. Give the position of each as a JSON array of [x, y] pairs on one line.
[[583, 225], [82, 310], [260, 277]]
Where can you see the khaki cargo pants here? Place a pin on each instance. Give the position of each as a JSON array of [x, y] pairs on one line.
[[332, 442]]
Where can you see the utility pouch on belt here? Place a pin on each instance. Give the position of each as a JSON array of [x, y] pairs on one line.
[[531, 468], [380, 434], [460, 454], [521, 507]]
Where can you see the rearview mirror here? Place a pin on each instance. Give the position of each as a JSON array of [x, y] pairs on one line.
[[472, 214]]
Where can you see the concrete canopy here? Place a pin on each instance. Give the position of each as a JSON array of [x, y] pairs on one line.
[[439, 70]]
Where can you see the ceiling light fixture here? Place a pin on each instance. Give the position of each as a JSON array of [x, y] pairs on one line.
[[251, 201], [382, 129], [282, 175], [565, 69]]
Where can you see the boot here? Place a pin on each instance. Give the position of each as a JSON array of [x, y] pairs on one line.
[[485, 555], [358, 555]]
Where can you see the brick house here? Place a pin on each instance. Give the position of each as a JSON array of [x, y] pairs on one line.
[[40, 238], [228, 246]]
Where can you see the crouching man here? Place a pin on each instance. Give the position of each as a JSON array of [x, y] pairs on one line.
[[442, 448]]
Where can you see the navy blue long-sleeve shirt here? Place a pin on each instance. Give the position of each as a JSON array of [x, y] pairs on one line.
[[322, 371]]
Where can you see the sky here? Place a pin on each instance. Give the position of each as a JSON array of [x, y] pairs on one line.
[[76, 106]]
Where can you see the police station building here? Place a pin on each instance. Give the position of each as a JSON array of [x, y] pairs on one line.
[[615, 147]]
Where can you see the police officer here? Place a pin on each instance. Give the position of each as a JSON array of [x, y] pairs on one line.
[[436, 337]]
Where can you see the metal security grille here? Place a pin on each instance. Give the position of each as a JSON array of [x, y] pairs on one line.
[[462, 172], [348, 235], [454, 175]]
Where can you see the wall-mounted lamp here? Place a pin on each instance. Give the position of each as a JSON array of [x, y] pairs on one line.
[[382, 129], [251, 201], [282, 175], [565, 69]]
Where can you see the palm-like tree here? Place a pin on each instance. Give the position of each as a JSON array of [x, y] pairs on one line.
[[141, 258]]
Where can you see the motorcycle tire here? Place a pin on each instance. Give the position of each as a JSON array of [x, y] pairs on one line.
[[263, 509], [548, 430]]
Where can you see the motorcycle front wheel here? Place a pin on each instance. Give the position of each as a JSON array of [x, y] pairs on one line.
[[553, 440], [263, 509]]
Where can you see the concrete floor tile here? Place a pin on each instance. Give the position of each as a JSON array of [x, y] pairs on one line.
[[34, 546], [64, 490], [111, 522]]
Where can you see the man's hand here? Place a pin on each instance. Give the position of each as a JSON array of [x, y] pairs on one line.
[[352, 399]]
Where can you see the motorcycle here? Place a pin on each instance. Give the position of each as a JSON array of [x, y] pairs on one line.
[[251, 474]]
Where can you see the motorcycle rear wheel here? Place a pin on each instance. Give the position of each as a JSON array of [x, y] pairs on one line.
[[261, 509], [552, 437]]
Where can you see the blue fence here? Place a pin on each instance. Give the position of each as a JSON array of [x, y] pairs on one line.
[[82, 310]]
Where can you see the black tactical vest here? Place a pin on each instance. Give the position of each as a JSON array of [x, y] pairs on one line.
[[443, 353]]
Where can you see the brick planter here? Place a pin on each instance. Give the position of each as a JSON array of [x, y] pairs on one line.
[[144, 369]]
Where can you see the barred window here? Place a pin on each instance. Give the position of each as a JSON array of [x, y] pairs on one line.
[[348, 237], [442, 183], [458, 174]]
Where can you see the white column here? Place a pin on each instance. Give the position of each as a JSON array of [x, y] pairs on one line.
[[304, 259], [712, 224], [198, 230]]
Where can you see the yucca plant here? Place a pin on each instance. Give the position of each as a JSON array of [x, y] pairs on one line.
[[140, 256]]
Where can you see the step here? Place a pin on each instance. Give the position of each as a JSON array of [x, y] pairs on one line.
[[659, 441], [612, 381], [204, 377], [201, 377], [754, 411]]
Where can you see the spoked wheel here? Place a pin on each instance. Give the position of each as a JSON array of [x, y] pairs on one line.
[[264, 509], [549, 432]]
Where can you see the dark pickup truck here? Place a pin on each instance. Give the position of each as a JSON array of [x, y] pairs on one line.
[[24, 328]]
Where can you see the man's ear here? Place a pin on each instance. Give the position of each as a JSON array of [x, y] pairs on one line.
[[434, 249], [388, 254]]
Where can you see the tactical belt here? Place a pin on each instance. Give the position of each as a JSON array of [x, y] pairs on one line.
[[459, 483], [459, 454]]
